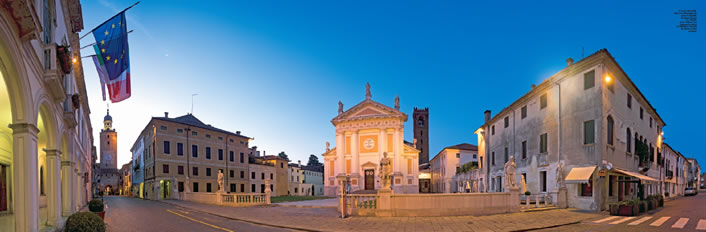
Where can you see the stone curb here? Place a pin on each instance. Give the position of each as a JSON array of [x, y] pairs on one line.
[[559, 225], [307, 206], [243, 220]]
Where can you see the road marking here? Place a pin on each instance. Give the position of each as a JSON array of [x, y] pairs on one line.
[[681, 223], [660, 221], [621, 220], [641, 220], [606, 219], [202, 222], [701, 225]]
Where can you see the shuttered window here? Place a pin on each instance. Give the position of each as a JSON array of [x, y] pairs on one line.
[[588, 132]]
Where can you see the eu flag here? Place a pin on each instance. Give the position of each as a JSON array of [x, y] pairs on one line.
[[112, 53]]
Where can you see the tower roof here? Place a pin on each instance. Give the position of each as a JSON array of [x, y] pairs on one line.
[[107, 116]]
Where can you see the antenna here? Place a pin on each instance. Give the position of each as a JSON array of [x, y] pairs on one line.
[[192, 102]]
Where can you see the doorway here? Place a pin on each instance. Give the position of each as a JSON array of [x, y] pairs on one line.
[[166, 185], [3, 188], [369, 179]]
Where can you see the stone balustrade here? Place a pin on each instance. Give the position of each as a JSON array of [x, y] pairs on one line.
[[229, 199]]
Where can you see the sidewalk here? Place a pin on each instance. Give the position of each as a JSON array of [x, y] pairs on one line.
[[326, 219], [323, 203]]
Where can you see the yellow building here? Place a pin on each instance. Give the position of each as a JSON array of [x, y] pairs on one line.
[[281, 186], [363, 133]]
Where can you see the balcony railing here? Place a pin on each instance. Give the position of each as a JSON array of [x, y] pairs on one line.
[[53, 73]]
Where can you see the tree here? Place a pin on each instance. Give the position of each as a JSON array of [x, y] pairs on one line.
[[283, 155], [313, 161]]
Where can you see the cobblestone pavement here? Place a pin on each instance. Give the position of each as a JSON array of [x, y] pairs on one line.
[[326, 219]]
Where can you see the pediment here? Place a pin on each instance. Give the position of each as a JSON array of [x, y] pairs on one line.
[[369, 165], [369, 109]]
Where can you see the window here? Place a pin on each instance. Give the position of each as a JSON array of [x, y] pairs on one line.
[[208, 153], [589, 79], [180, 170], [165, 168], [208, 187], [166, 147], [492, 129], [524, 112], [262, 176], [220, 154], [208, 171], [252, 175], [588, 132], [611, 182], [208, 136], [194, 151], [458, 155], [242, 157], [180, 131], [641, 112], [543, 143], [543, 181], [195, 171], [281, 165], [629, 101], [232, 174], [232, 188], [180, 149], [163, 127], [272, 177], [181, 186], [231, 156], [610, 130], [586, 190], [650, 122], [252, 188], [231, 140], [507, 121], [196, 187], [194, 133], [242, 174], [242, 188], [543, 101], [262, 188], [524, 149], [492, 158], [628, 141], [506, 155]]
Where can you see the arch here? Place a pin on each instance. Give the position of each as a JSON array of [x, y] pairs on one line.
[[14, 73]]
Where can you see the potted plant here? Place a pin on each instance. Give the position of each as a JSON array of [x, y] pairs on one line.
[[629, 208], [84, 222], [660, 200], [614, 207], [96, 206]]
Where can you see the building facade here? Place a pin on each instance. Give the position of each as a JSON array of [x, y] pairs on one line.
[[447, 162], [590, 118], [259, 172], [673, 180], [421, 133], [125, 182], [692, 176], [137, 170], [45, 152], [185, 154], [281, 173], [314, 177], [365, 133]]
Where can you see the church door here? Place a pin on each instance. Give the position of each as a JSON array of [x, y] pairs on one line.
[[369, 179], [3, 189]]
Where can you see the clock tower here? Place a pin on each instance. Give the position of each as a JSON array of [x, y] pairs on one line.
[[108, 144]]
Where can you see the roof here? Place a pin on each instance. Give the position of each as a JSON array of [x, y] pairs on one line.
[[388, 112], [464, 146], [107, 116], [546, 83], [191, 120], [313, 168], [272, 157]]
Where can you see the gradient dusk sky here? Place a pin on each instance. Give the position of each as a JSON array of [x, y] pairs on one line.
[[275, 70]]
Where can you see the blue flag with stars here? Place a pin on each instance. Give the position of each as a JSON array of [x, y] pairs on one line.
[[113, 57]]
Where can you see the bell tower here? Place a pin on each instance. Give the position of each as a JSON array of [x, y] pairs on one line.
[[420, 119], [108, 144]]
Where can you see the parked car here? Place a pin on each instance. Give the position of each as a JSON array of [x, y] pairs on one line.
[[690, 191]]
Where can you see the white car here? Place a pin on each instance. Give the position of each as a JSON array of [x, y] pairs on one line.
[[689, 191]]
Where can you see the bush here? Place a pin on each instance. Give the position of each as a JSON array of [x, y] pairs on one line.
[[95, 205], [528, 193], [84, 222]]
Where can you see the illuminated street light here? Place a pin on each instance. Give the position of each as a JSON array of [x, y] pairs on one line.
[[608, 78]]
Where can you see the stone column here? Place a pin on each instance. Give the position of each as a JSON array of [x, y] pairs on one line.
[[77, 188], [268, 192], [66, 180], [355, 156], [396, 150], [53, 158], [25, 176], [340, 153]]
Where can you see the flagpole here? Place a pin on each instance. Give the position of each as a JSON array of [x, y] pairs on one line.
[[88, 33]]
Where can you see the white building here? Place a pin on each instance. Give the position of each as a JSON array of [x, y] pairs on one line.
[[589, 116], [138, 165], [46, 152], [314, 176], [445, 164]]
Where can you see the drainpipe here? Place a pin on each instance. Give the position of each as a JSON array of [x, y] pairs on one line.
[[559, 120]]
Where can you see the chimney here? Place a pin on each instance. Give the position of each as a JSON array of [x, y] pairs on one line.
[[166, 114], [300, 163], [487, 115], [264, 153], [533, 85], [237, 132], [569, 61]]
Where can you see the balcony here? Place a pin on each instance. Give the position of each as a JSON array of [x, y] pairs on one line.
[[53, 72], [70, 105]]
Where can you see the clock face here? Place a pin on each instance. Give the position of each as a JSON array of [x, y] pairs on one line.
[[369, 144]]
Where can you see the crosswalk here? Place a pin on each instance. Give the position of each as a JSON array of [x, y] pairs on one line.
[[676, 222]]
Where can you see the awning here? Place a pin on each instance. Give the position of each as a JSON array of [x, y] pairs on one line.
[[642, 178], [580, 175]]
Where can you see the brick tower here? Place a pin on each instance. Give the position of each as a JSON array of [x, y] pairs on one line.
[[421, 133], [109, 144]]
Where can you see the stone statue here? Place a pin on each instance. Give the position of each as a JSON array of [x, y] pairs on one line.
[[221, 188], [397, 102], [559, 176], [414, 142], [340, 107], [385, 171], [367, 91], [327, 146], [510, 181]]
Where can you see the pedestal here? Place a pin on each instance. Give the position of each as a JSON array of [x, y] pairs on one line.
[[268, 192], [515, 199], [561, 198], [384, 207]]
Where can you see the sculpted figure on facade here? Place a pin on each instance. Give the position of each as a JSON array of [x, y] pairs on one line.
[[368, 95], [385, 171], [397, 102], [340, 107], [220, 181], [559, 176], [328, 145], [510, 166]]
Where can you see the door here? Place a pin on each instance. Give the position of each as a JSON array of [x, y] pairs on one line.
[[369, 179], [3, 189]]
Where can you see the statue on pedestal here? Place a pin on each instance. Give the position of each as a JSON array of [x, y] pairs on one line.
[[559, 176], [510, 166], [221, 187], [385, 171]]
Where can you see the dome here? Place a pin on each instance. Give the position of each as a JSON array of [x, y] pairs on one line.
[[108, 117]]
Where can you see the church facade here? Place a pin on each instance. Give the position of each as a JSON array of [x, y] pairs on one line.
[[364, 133]]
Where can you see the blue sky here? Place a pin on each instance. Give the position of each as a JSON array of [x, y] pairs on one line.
[[275, 70]]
